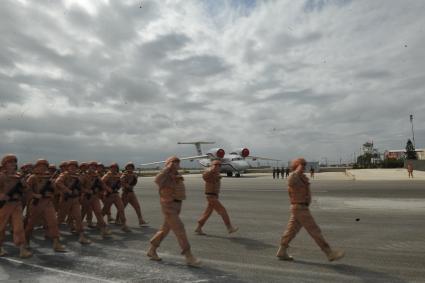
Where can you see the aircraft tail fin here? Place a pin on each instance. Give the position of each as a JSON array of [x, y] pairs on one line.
[[197, 145]]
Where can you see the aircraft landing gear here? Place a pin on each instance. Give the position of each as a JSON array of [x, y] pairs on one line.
[[229, 174], [238, 175]]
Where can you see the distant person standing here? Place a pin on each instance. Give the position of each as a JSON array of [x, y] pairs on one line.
[[274, 173], [410, 169], [312, 172], [282, 172], [287, 172], [300, 197], [277, 172]]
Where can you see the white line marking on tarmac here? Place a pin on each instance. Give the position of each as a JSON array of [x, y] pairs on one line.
[[58, 270]]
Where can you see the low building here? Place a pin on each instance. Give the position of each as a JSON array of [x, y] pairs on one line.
[[401, 153]]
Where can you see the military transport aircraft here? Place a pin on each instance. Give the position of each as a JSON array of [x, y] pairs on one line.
[[233, 163]]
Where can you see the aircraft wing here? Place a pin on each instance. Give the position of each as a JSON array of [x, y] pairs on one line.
[[263, 158], [181, 158]]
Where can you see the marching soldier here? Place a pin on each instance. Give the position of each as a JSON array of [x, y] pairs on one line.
[[57, 192], [113, 180], [172, 192], [11, 193], [300, 197], [93, 187], [212, 190], [69, 185], [41, 206], [26, 170], [128, 182]]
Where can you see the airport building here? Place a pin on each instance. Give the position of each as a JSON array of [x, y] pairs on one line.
[[401, 153]]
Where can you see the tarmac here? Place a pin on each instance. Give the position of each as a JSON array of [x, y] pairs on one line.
[[376, 218]]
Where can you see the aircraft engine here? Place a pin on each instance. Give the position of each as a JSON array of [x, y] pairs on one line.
[[244, 152], [216, 152]]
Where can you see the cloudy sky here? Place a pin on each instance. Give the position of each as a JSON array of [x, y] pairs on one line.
[[125, 80]]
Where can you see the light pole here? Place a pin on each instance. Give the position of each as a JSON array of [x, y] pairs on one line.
[[413, 132]]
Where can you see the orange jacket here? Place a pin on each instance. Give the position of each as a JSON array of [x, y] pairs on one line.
[[299, 189], [212, 182]]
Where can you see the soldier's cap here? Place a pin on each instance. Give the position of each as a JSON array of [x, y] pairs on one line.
[[83, 165], [172, 159], [26, 165], [41, 162], [52, 166], [218, 162], [296, 162], [93, 163], [114, 165], [8, 158], [63, 164], [129, 164], [72, 162], [99, 164]]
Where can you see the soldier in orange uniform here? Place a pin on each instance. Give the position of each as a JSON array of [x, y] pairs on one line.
[[12, 188], [93, 187], [300, 197], [113, 180], [172, 192], [57, 192], [70, 186], [128, 182], [41, 206], [212, 180]]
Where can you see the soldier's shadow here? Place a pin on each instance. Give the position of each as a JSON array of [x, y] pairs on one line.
[[366, 275], [249, 244]]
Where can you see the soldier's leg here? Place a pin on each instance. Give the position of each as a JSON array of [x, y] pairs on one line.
[[161, 234], [51, 221], [75, 213], [95, 207], [107, 203], [221, 210], [207, 213], [291, 231], [120, 210], [307, 221], [176, 225], [134, 202], [18, 231], [64, 209], [32, 219], [52, 225], [5, 217], [56, 201]]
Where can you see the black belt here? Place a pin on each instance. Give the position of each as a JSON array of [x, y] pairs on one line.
[[177, 200], [211, 194], [302, 203]]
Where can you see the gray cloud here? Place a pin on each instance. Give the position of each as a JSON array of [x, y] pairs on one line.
[[113, 81]]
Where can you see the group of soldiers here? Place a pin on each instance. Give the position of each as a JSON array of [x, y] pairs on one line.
[[76, 191], [284, 172], [42, 195]]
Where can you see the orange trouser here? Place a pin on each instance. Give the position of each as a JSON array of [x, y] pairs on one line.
[[103, 199], [114, 198], [131, 198], [93, 205], [56, 201], [301, 217], [45, 210], [12, 211], [172, 221], [214, 204], [72, 208]]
